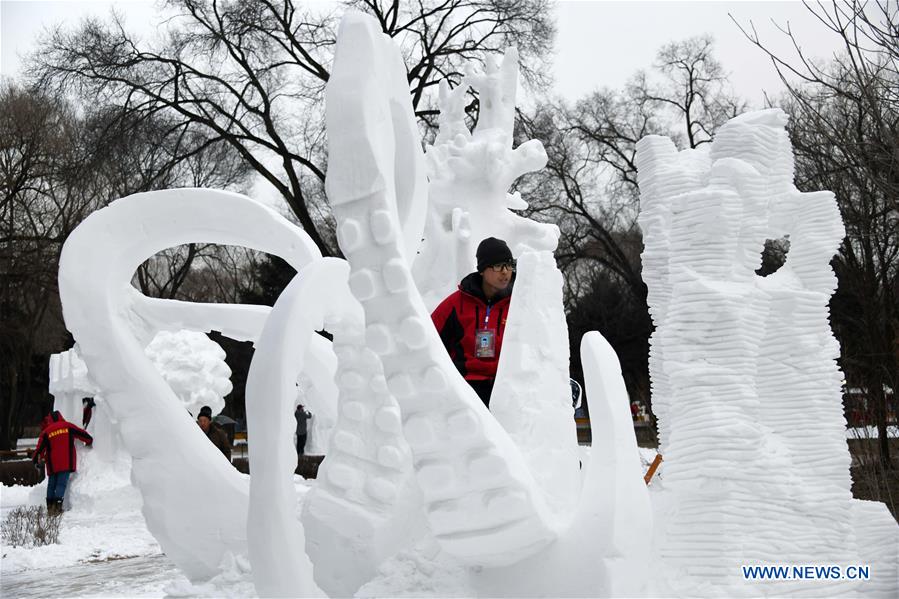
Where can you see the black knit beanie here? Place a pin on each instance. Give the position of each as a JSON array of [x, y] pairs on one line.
[[205, 411], [492, 251]]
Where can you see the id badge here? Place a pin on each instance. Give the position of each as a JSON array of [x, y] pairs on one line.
[[485, 343]]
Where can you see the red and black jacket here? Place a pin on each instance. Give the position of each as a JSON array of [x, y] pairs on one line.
[[56, 445], [461, 314]]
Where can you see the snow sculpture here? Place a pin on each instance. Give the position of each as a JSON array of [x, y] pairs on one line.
[[69, 383], [417, 468], [479, 505], [194, 367], [112, 323], [481, 499], [104, 471], [470, 173], [532, 396], [280, 565], [737, 360]]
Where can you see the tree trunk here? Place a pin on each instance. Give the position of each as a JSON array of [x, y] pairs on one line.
[[880, 417]]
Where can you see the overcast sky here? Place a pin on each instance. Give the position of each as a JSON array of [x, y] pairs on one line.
[[599, 43]]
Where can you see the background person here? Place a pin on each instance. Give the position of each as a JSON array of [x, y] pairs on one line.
[[471, 321], [88, 411], [302, 415], [214, 432]]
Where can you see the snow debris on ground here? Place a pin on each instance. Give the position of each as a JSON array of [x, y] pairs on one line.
[[424, 571], [235, 581], [105, 550]]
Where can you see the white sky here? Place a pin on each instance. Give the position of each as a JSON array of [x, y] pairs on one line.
[[599, 43]]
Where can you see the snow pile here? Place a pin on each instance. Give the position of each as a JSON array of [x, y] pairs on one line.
[[234, 580], [737, 360], [103, 481], [194, 367]]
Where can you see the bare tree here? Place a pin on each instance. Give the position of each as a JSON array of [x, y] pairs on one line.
[[845, 131], [38, 155], [251, 74], [57, 165]]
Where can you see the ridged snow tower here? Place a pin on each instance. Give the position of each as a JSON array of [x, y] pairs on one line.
[[745, 383]]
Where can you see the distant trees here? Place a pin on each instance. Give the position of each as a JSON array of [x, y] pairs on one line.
[[251, 75], [38, 169], [845, 131], [57, 165], [234, 90]]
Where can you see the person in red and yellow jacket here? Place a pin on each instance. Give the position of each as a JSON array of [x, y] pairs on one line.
[[471, 321], [56, 447]]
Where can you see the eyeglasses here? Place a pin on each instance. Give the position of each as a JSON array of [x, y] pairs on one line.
[[510, 266]]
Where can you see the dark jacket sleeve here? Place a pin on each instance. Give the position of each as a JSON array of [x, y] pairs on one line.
[[41, 442], [81, 434], [441, 313], [451, 331], [446, 321]]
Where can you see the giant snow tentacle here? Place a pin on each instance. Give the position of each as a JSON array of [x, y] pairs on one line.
[[281, 567], [174, 464], [481, 502], [362, 509]]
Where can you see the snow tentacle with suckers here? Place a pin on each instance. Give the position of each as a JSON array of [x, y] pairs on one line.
[[480, 499], [485, 503], [173, 464], [737, 360]]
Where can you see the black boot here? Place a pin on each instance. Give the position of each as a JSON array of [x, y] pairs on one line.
[[59, 509], [50, 506]]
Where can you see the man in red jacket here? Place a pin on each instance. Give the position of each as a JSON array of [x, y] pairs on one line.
[[56, 446], [471, 321]]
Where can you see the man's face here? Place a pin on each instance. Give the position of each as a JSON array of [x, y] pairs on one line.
[[499, 280], [204, 423]]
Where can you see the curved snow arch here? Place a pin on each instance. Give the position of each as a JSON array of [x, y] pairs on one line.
[[276, 540], [112, 321]]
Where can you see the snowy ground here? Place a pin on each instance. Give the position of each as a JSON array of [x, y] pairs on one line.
[[104, 550]]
